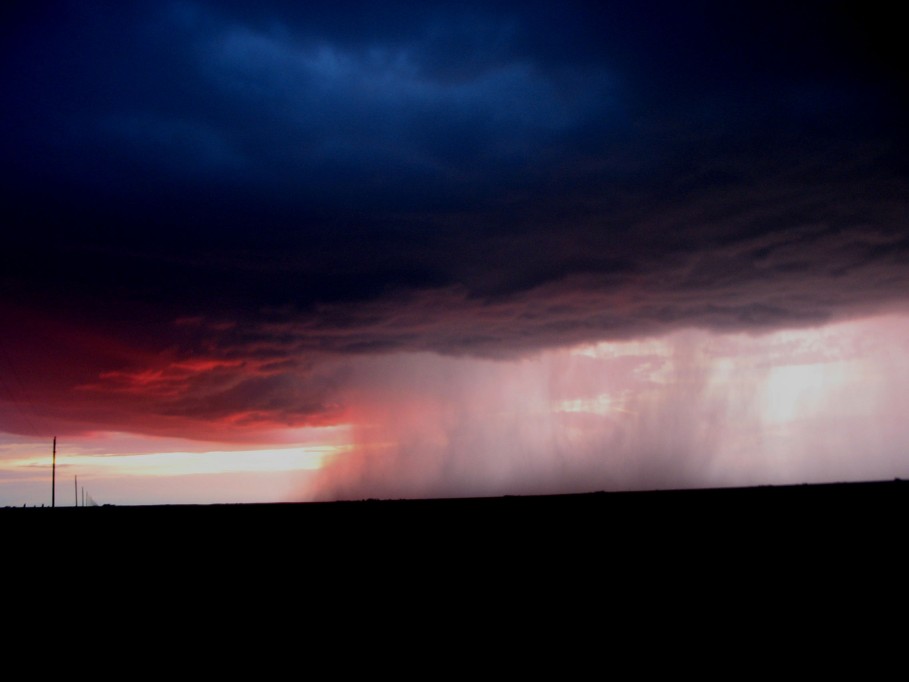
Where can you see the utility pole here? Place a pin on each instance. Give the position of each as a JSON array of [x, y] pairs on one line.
[[54, 477], [76, 489]]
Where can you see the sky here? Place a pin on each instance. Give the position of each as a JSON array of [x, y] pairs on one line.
[[284, 251]]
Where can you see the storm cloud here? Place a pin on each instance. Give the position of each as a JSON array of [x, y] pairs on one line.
[[215, 214]]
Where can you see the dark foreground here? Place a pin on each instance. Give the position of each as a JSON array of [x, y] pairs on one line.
[[782, 551], [847, 514]]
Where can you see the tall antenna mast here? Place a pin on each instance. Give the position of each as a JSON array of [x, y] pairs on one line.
[[76, 489], [54, 476]]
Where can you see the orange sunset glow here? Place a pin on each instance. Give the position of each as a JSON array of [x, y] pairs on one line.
[[713, 409]]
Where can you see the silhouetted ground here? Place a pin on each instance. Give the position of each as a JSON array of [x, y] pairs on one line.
[[635, 560], [846, 513]]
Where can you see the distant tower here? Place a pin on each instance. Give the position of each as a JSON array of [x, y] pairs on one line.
[[54, 476]]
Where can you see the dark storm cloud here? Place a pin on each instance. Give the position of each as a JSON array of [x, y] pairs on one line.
[[296, 180]]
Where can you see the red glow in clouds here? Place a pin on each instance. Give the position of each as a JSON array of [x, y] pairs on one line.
[[689, 409]]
